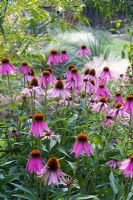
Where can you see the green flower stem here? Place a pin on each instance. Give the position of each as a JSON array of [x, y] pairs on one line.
[[32, 105], [45, 100], [121, 192], [108, 139], [9, 86], [47, 193], [24, 80], [130, 122], [34, 97], [68, 192], [85, 97]]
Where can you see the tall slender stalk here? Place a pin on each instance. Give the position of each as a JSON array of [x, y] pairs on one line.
[[107, 141], [45, 100], [32, 105], [24, 80], [85, 96], [130, 122], [9, 86], [34, 97], [47, 193]]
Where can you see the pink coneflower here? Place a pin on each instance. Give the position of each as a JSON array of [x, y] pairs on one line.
[[58, 78], [121, 78], [51, 73], [102, 105], [75, 82], [30, 75], [108, 121], [119, 111], [106, 73], [6, 67], [25, 69], [102, 91], [83, 51], [114, 163], [64, 57], [89, 85], [53, 58], [101, 81], [33, 86], [127, 166], [86, 73], [45, 79], [35, 162], [92, 74], [69, 181], [34, 82], [38, 125], [129, 103], [67, 101], [29, 91], [82, 145], [118, 97], [14, 132], [52, 172], [68, 74], [116, 141], [59, 90], [49, 135]]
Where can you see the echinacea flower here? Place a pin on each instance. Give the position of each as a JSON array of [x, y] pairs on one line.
[[92, 74], [70, 181], [63, 57], [58, 78], [119, 111], [35, 162], [27, 91], [121, 77], [114, 163], [118, 97], [34, 82], [51, 73], [59, 90], [127, 167], [45, 79], [6, 67], [83, 51], [39, 125], [89, 85], [129, 104], [67, 101], [14, 132], [49, 135], [75, 82], [52, 172], [33, 86], [102, 91], [68, 74], [30, 75], [86, 73], [108, 121], [102, 105], [24, 68], [30, 90], [116, 141], [53, 58], [106, 73], [101, 81], [82, 145]]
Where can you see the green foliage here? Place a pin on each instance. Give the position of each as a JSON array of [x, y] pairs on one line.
[[109, 8], [26, 24]]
